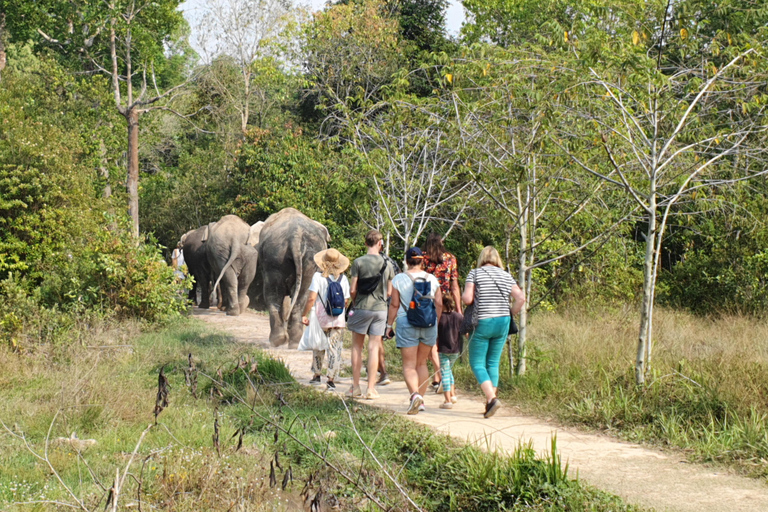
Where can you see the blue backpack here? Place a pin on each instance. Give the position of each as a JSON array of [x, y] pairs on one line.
[[421, 310], [334, 301]]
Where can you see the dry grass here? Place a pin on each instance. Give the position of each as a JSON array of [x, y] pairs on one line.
[[707, 393]]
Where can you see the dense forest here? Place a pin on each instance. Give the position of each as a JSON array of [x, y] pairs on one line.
[[614, 150]]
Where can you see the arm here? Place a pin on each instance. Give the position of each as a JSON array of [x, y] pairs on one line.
[[439, 302], [456, 294], [352, 289], [310, 304], [519, 297], [394, 303], [469, 294]]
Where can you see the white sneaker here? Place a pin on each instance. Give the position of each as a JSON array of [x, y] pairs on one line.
[[417, 401]]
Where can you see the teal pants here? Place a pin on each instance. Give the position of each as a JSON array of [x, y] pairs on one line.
[[485, 347]]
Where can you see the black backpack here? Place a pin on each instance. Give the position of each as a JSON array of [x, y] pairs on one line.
[[368, 285]]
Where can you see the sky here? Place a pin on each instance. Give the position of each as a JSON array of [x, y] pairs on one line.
[[194, 8]]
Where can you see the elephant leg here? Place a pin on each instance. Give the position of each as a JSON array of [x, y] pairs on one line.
[[204, 285], [229, 293], [295, 327], [192, 295], [274, 293]]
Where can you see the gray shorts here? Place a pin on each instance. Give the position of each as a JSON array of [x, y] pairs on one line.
[[363, 321]]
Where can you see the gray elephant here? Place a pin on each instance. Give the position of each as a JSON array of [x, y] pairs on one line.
[[193, 245], [289, 240], [233, 259]]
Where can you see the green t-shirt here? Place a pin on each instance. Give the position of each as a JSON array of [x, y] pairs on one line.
[[370, 266]]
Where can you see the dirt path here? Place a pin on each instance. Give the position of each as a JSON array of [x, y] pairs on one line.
[[639, 475]]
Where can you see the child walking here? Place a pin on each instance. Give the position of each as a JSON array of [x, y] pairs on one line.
[[449, 346]]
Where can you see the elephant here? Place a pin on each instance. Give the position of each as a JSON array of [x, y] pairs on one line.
[[288, 241], [193, 245], [233, 257]]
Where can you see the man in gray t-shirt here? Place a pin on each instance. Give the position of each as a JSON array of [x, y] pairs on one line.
[[369, 316]]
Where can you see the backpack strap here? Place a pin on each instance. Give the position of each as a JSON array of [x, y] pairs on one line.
[[415, 291]]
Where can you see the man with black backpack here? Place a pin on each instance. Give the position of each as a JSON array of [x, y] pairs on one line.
[[370, 286], [328, 294]]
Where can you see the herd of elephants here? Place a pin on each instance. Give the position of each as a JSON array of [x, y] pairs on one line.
[[267, 266]]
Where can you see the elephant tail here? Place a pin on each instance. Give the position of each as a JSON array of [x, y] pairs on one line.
[[298, 261], [235, 252]]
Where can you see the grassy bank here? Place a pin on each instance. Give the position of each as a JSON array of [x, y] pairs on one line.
[[236, 433], [708, 393]]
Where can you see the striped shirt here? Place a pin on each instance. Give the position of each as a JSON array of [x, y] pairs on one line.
[[493, 287]]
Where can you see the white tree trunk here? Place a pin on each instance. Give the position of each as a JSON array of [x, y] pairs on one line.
[[646, 309], [523, 324]]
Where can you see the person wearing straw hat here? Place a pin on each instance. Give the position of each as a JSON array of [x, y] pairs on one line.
[[332, 265]]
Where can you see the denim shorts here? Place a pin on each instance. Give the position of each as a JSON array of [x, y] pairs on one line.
[[363, 321], [408, 336]]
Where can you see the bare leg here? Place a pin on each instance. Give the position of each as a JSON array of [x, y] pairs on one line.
[[382, 366], [374, 349], [435, 362], [489, 390], [358, 340], [410, 374], [422, 355]]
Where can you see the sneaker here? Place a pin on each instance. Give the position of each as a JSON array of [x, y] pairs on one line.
[[354, 392], [422, 408], [435, 386], [371, 394], [331, 385], [315, 380], [416, 402], [446, 405], [383, 380], [491, 407], [454, 399]]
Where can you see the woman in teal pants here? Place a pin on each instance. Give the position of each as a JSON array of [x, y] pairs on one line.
[[490, 288]]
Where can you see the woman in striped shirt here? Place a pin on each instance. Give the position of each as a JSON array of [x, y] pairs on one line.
[[490, 288]]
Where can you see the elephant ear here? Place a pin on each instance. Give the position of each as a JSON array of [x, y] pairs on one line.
[[254, 234]]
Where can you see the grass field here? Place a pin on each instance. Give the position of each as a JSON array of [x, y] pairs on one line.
[[250, 438], [707, 395]]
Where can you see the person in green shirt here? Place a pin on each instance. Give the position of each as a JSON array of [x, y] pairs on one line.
[[370, 287]]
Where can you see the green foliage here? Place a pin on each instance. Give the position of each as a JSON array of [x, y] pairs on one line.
[[60, 247]]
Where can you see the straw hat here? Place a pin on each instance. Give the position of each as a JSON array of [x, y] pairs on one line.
[[331, 261]]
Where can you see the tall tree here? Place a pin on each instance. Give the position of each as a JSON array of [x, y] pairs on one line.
[[247, 32], [128, 41]]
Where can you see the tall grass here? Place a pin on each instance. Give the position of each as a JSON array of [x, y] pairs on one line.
[[241, 442], [707, 393]]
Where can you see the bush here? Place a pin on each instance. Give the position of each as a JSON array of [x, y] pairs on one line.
[[65, 257]]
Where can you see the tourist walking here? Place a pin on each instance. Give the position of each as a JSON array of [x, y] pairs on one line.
[[490, 288], [449, 347], [328, 294], [441, 264], [416, 304], [370, 286]]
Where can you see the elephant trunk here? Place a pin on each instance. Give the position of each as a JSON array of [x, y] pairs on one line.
[[234, 253]]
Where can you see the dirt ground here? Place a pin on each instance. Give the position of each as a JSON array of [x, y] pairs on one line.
[[640, 475]]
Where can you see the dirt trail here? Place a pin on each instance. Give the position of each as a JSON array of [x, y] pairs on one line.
[[643, 476]]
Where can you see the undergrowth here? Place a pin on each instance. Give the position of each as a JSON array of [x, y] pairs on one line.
[[707, 394], [236, 433]]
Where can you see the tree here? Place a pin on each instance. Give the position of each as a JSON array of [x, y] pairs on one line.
[[124, 39], [504, 100], [247, 32], [661, 140], [351, 53], [417, 174]]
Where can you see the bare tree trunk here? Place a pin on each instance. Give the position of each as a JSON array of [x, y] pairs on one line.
[[646, 309], [132, 184], [523, 325]]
